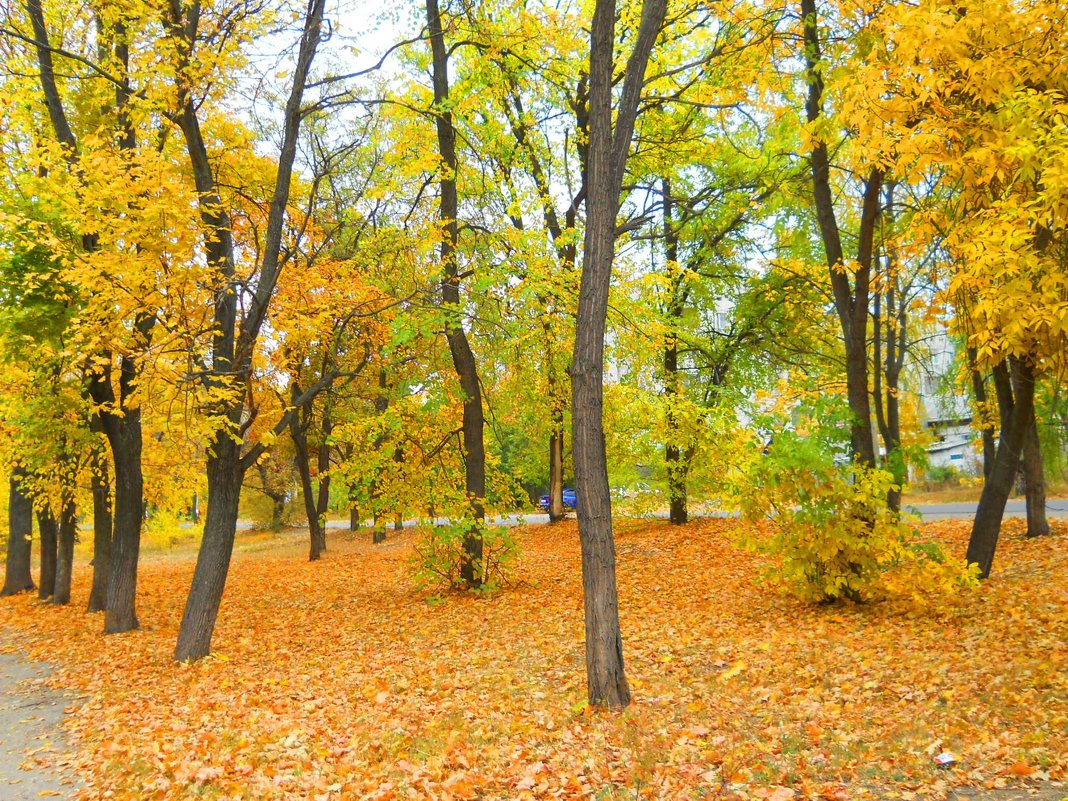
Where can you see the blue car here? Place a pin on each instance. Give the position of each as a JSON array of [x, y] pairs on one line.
[[569, 500]]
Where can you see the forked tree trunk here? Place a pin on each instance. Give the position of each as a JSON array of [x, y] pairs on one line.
[[998, 486], [102, 526], [1034, 481], [606, 163], [463, 359], [234, 339], [49, 529], [68, 530], [213, 560], [17, 577]]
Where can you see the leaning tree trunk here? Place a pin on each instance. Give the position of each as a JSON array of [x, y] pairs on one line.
[[17, 576], [102, 528], [997, 488], [213, 560], [68, 530], [606, 163], [463, 359], [1034, 481], [49, 529]]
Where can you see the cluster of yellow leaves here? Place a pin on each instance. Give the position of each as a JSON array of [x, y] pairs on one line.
[[338, 680]]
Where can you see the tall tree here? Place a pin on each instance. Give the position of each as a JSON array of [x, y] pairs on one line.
[[609, 147], [851, 296], [463, 358], [234, 339]]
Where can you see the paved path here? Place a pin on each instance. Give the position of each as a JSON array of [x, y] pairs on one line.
[[1055, 509], [33, 750]]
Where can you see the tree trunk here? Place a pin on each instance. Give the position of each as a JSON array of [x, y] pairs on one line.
[[298, 430], [322, 504], [557, 512], [606, 162], [354, 519], [677, 465], [213, 560], [17, 576], [1034, 481], [234, 339], [46, 524], [278, 511], [463, 359], [68, 530], [996, 489], [125, 437], [851, 301], [102, 525], [981, 404]]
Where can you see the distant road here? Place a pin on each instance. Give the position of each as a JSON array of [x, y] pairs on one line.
[[935, 511]]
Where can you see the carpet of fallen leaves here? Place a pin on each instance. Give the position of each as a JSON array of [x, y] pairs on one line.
[[339, 680]]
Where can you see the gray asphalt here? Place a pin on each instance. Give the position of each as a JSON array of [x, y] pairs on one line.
[[1056, 509], [33, 750]]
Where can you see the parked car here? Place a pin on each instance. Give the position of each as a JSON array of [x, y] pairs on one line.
[[569, 500]]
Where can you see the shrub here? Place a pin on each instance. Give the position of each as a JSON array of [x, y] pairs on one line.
[[832, 534], [439, 555]]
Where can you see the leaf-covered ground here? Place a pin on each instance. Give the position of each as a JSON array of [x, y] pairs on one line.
[[339, 680]]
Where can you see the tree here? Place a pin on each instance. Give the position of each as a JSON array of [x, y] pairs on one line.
[[609, 146], [234, 340], [463, 358]]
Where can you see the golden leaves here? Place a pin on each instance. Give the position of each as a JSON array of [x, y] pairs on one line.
[[337, 680]]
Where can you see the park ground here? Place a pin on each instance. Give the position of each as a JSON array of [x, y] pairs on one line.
[[341, 679]]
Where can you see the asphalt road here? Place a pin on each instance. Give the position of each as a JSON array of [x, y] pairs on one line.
[[938, 511]]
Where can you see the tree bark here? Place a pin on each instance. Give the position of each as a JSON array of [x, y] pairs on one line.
[[125, 437], [234, 341], [981, 402], [606, 162], [68, 530], [1034, 481], [557, 512], [850, 300], [987, 524], [354, 519], [676, 463], [225, 476], [49, 529], [102, 528], [299, 432], [17, 577], [463, 359]]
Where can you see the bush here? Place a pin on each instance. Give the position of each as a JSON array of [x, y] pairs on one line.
[[833, 537], [439, 555]]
